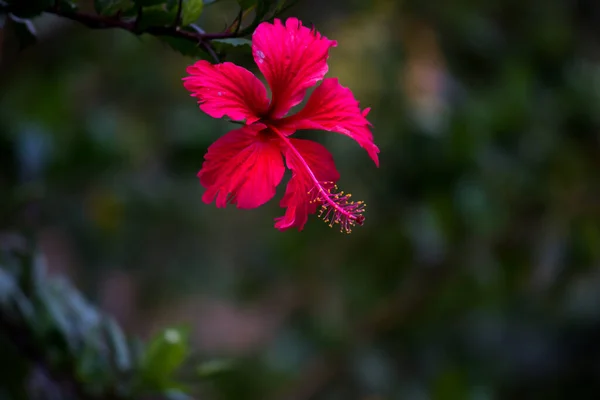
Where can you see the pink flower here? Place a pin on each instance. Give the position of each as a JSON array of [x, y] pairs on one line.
[[244, 166]]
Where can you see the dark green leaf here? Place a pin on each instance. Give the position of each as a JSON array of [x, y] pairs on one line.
[[231, 45], [165, 354], [191, 11], [233, 42], [185, 47], [261, 7], [159, 15], [112, 7], [165, 14]]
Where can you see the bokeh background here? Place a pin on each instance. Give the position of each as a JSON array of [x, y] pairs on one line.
[[476, 273]]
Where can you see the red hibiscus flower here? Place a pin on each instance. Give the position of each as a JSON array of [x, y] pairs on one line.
[[245, 166]]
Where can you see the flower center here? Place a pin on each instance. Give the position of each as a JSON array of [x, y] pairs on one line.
[[336, 207]]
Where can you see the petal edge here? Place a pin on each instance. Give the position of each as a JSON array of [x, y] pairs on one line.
[[241, 168], [332, 107], [292, 58], [227, 89]]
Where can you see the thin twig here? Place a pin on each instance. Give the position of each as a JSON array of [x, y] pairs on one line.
[[211, 51], [101, 22]]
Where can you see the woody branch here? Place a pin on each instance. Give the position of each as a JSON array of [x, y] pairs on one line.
[[103, 22]]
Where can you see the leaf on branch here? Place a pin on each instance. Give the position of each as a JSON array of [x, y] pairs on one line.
[[165, 14], [264, 9], [231, 45], [233, 42], [185, 47], [191, 11], [112, 7]]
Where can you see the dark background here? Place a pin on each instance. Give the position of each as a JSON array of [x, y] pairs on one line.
[[475, 275]]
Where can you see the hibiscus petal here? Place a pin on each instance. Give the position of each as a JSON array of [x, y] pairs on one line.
[[241, 168], [292, 58], [297, 197], [332, 107], [227, 89]]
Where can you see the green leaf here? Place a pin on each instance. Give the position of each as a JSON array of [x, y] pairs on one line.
[[233, 42], [159, 15], [231, 45], [185, 47], [24, 30], [112, 7], [262, 8], [191, 11], [165, 354]]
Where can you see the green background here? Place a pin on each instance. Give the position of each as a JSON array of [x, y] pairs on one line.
[[475, 275]]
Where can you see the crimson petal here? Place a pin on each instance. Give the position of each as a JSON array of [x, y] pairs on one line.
[[241, 168], [332, 107], [292, 58], [227, 89]]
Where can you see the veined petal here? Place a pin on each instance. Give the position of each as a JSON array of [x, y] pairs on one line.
[[241, 168], [292, 58], [332, 107], [227, 89], [297, 198]]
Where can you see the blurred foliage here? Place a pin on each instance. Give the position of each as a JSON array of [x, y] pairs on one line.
[[474, 277], [56, 345]]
